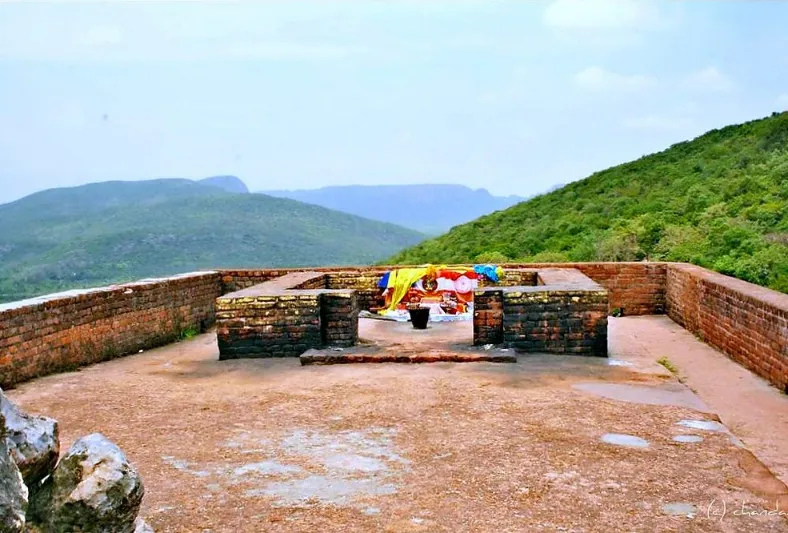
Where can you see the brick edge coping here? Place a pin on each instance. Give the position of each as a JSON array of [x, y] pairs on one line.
[[744, 289], [47, 300]]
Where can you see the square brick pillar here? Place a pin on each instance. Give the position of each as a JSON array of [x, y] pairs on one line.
[[487, 316], [339, 318]]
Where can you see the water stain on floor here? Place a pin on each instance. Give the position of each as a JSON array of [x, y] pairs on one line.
[[680, 509], [620, 439], [687, 439], [704, 425], [307, 466], [664, 394]]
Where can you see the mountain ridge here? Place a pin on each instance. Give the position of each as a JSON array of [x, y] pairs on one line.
[[423, 207]]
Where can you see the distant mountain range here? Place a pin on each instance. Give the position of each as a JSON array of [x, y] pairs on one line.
[[428, 208], [118, 231], [227, 183]]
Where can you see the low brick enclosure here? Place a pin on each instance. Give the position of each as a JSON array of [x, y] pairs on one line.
[[67, 330], [634, 288], [550, 310], [285, 317], [563, 311]]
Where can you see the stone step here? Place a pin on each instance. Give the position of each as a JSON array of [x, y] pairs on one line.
[[321, 357]]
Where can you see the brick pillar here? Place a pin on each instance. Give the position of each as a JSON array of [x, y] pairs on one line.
[[487, 316], [339, 318]]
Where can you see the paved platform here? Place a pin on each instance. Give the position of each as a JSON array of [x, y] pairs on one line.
[[552, 443], [386, 341]]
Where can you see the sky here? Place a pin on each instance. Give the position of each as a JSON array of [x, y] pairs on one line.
[[512, 96]]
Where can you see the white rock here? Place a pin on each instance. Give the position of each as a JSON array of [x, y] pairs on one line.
[[94, 488], [13, 492], [141, 526], [32, 440]]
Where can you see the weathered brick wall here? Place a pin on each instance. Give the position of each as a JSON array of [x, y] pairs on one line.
[[565, 313], [633, 288], [357, 278], [516, 277], [318, 282], [636, 288], [747, 322], [285, 317], [365, 283], [488, 316], [68, 330], [268, 325], [236, 280], [339, 317], [558, 321]]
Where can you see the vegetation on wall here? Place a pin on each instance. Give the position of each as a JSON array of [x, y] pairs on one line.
[[718, 201]]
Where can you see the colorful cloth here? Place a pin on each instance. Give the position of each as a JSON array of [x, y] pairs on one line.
[[453, 274], [464, 285], [445, 284], [384, 281], [401, 280], [491, 272]]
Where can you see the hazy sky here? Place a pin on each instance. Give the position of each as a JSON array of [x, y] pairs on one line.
[[507, 95]]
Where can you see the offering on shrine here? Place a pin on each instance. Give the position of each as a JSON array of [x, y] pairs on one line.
[[446, 291]]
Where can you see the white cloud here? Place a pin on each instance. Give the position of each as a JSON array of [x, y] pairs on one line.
[[708, 79], [782, 101], [603, 14], [599, 79]]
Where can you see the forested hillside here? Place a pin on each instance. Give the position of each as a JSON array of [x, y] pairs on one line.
[[718, 201], [120, 231]]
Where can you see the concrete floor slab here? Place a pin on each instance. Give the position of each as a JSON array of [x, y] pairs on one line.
[[268, 445]]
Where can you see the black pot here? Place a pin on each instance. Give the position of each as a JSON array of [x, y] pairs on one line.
[[419, 317]]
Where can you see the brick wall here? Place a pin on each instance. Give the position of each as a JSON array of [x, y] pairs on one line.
[[68, 330], [285, 317], [488, 316], [268, 325], [747, 322], [565, 313], [635, 288], [339, 317], [559, 321], [364, 281]]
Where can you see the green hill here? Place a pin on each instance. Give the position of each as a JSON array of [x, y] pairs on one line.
[[719, 201], [119, 231]]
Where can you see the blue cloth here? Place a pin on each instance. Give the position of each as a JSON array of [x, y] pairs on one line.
[[487, 271], [384, 281]]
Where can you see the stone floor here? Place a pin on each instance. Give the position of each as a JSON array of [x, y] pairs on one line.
[[547, 444], [385, 341]]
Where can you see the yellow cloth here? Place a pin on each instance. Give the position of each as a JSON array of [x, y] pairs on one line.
[[401, 280]]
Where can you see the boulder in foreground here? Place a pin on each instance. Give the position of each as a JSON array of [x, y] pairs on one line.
[[33, 442], [93, 489], [13, 492]]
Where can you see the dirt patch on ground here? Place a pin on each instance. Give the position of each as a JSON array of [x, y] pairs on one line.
[[269, 445]]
